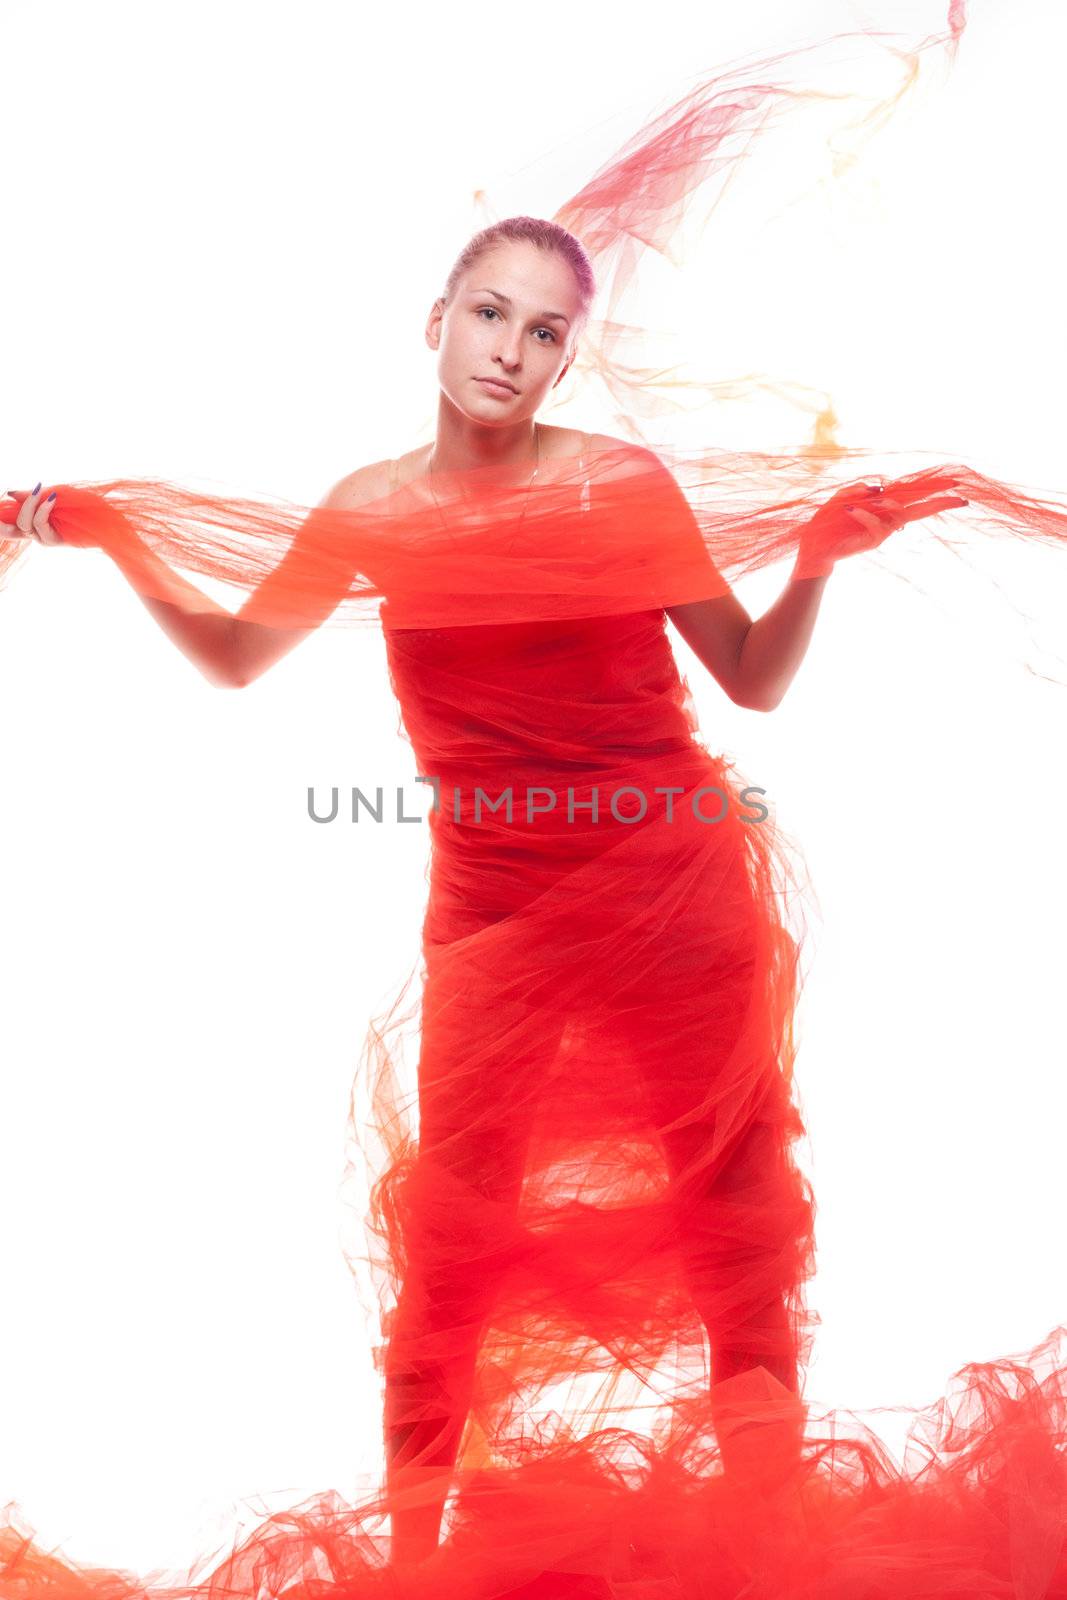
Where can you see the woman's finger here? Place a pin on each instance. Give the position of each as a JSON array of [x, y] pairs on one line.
[[850, 491], [24, 520], [930, 508], [922, 488], [42, 527], [868, 520]]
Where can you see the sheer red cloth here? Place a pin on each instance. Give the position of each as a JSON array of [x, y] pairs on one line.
[[578, 1120]]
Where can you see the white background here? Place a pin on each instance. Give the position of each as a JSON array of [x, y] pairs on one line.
[[224, 228]]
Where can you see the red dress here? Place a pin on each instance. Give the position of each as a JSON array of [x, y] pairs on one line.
[[603, 1164], [606, 1005], [605, 1053]]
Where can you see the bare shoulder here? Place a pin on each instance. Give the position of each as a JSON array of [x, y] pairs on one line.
[[608, 441], [358, 488], [568, 441], [626, 457]]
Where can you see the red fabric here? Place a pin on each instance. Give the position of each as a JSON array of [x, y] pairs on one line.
[[581, 1127]]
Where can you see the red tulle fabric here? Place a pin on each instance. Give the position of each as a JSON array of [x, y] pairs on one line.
[[576, 1125]]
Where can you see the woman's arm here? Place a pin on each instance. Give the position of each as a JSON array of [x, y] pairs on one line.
[[230, 650], [754, 661]]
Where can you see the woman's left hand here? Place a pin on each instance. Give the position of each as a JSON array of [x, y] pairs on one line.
[[833, 534]]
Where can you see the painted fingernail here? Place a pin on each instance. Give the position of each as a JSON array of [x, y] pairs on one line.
[[34, 491], [51, 496]]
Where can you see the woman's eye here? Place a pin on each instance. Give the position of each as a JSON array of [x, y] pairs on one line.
[[493, 312]]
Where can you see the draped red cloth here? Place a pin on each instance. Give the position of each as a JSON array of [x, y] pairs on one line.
[[579, 1128]]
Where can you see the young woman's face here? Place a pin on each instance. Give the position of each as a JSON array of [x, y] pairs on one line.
[[513, 317]]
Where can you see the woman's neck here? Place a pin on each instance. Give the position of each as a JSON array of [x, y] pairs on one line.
[[461, 445]]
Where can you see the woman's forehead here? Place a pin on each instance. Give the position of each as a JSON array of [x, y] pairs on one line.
[[516, 266]]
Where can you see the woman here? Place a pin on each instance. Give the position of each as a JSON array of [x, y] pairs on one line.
[[603, 1168]]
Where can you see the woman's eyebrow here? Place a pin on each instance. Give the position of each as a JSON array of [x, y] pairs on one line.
[[546, 316]]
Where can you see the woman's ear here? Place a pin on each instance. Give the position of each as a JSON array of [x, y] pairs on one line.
[[566, 367], [433, 323]]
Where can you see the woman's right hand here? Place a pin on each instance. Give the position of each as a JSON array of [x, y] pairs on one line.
[[32, 519]]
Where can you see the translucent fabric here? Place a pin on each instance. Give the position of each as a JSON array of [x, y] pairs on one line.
[[577, 1127]]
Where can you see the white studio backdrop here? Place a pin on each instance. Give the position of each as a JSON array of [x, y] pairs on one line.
[[225, 227]]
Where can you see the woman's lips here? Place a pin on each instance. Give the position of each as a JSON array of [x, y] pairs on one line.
[[494, 387]]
